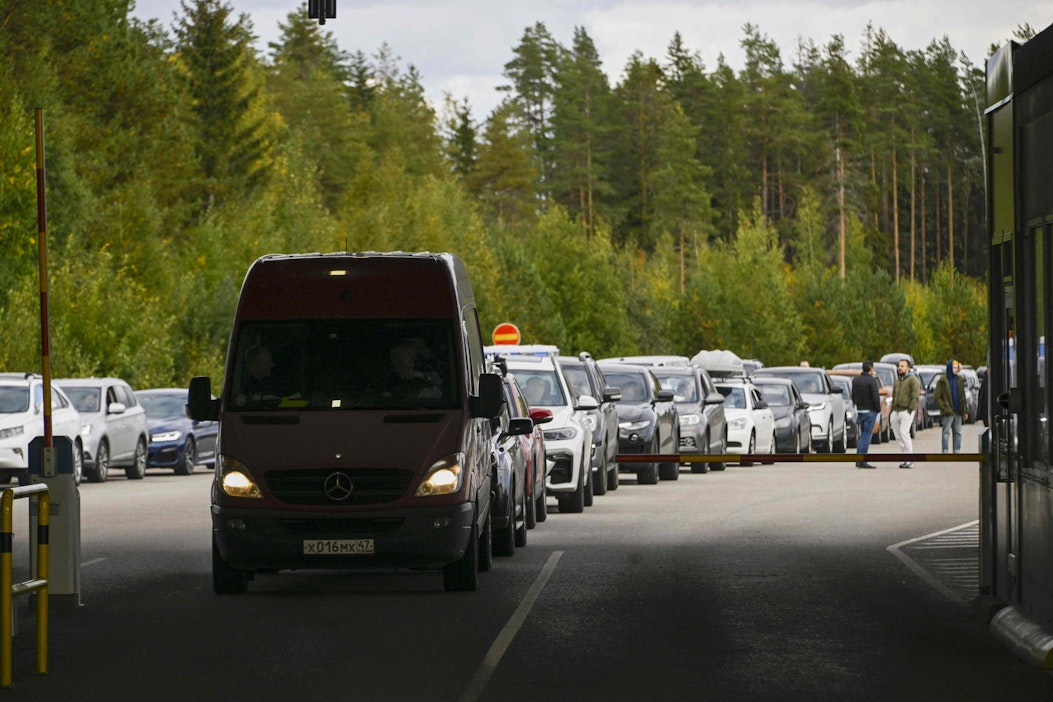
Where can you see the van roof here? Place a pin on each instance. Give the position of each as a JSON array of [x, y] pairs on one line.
[[295, 286]]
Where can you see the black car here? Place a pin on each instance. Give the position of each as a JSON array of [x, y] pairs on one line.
[[793, 428], [648, 422], [703, 426], [176, 441], [585, 377], [851, 415], [511, 473]]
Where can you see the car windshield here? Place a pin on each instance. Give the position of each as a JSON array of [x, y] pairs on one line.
[[734, 397], [14, 400], [346, 364], [632, 385], [85, 399], [684, 388], [577, 379], [777, 395], [541, 387], [887, 376], [172, 405], [807, 383]]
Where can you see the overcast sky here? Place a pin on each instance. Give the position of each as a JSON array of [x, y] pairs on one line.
[[461, 46]]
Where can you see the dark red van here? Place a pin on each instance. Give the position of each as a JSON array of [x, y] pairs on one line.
[[354, 420]]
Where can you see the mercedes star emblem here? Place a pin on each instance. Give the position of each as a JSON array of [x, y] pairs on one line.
[[338, 487]]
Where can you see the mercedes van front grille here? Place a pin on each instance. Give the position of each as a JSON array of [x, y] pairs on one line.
[[333, 487]]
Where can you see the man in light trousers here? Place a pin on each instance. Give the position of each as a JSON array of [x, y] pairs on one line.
[[905, 392]]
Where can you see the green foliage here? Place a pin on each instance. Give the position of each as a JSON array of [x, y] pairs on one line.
[[684, 209]]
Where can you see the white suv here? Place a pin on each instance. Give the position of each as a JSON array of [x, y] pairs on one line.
[[114, 431], [22, 419], [568, 440]]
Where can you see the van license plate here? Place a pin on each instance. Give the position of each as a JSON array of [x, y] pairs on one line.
[[337, 547]]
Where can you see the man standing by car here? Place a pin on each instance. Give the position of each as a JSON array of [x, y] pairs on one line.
[[867, 397], [904, 404], [950, 399]]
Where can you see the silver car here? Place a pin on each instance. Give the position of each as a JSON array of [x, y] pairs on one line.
[[113, 426]]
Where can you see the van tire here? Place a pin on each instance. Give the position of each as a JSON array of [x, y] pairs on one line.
[[226, 580], [463, 575]]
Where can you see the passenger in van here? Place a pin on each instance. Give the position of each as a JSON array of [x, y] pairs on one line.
[[405, 381]]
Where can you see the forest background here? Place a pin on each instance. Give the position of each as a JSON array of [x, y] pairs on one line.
[[827, 210]]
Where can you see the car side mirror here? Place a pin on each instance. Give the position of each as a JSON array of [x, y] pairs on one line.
[[116, 408], [540, 415], [586, 402], [611, 394], [665, 396], [761, 404], [714, 398], [520, 426]]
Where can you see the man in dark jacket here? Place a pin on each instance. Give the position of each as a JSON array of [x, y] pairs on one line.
[[951, 401], [867, 397]]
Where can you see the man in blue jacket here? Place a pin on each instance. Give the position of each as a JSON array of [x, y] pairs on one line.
[[867, 397], [949, 398]]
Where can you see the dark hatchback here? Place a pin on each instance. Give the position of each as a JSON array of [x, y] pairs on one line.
[[703, 426], [176, 441], [648, 421], [793, 428]]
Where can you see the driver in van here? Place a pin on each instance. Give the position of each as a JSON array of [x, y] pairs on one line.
[[405, 380], [259, 384]]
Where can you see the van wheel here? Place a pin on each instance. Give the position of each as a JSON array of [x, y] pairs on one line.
[[137, 469], [226, 580], [463, 575]]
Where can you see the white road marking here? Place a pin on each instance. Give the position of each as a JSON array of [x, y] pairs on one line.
[[895, 550], [504, 638]]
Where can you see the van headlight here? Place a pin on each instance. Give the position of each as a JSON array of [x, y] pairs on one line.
[[236, 480], [443, 478]]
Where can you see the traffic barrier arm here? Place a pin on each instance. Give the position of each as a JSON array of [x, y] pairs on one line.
[[8, 589], [799, 457]]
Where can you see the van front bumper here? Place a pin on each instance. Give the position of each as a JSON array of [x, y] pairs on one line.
[[417, 538]]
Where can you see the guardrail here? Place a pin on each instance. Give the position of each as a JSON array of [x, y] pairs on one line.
[[8, 589]]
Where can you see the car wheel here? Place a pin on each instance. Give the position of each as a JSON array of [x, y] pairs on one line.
[[137, 469], [226, 580], [463, 575], [530, 506], [599, 478], [189, 458], [670, 470], [613, 476], [586, 479], [797, 442], [521, 529], [752, 448], [102, 463], [505, 537], [541, 505], [78, 462], [771, 450], [701, 467], [575, 502], [723, 449], [484, 546], [828, 442]]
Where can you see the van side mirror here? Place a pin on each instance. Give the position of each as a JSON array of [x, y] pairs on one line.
[[199, 404], [490, 398]]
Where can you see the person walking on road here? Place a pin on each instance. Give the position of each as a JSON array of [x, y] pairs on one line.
[[951, 402], [905, 393], [867, 397]]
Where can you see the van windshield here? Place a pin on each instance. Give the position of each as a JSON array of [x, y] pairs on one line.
[[344, 364]]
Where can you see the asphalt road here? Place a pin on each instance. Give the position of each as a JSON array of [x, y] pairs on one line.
[[769, 582]]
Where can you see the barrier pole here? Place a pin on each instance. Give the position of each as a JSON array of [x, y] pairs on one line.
[[9, 589]]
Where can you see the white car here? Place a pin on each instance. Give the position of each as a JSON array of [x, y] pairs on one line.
[[751, 424], [568, 438], [826, 405], [22, 419], [113, 426]]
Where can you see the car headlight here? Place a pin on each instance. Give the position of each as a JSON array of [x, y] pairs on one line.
[[738, 423], [690, 420], [563, 434], [166, 436], [12, 432], [85, 430], [817, 407], [236, 480], [633, 426], [443, 478]]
